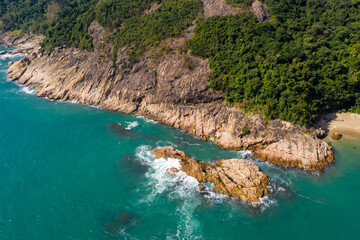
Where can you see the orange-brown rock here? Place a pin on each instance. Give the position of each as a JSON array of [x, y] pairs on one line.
[[336, 135], [172, 170], [237, 178]]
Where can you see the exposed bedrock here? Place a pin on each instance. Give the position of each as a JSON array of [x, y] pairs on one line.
[[237, 178], [172, 89]]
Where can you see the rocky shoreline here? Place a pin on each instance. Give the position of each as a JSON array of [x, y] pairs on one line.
[[167, 90]]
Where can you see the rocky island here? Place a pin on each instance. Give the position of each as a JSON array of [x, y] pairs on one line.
[[237, 178]]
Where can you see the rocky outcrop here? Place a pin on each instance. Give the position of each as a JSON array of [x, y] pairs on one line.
[[25, 44], [336, 135], [237, 178], [170, 88], [260, 10], [219, 8]]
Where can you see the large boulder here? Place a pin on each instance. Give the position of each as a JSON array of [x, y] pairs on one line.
[[237, 178]]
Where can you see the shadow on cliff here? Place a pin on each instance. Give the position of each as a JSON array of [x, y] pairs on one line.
[[324, 121]]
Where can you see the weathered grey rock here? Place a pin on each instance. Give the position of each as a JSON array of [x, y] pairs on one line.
[[260, 10]]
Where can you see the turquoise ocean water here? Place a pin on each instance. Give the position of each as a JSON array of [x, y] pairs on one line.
[[67, 171]]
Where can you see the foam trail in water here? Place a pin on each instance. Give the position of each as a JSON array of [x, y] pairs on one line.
[[27, 90], [146, 119], [11, 56], [177, 186], [131, 125]]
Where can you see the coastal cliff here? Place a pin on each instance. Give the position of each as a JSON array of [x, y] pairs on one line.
[[173, 94], [169, 86]]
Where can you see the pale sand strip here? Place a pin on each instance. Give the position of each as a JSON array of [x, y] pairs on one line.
[[345, 123]]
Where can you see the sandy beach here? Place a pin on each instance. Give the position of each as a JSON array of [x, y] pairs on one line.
[[347, 124]]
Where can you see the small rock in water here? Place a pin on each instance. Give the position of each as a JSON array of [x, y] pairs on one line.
[[125, 221], [10, 63], [172, 171], [130, 164], [179, 144], [118, 128], [336, 135], [123, 131], [125, 218]]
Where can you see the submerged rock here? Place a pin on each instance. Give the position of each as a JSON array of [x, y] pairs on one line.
[[237, 178], [125, 221], [118, 128]]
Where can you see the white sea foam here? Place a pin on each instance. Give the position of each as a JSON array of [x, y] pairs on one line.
[[11, 56], [146, 119], [27, 90], [266, 202], [162, 143], [177, 186], [131, 125], [72, 101], [49, 99], [244, 154]]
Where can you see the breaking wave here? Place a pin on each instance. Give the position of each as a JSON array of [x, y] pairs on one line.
[[131, 125], [177, 186], [7, 56], [27, 90], [146, 119]]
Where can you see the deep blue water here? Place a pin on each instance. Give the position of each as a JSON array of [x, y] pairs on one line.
[[66, 173]]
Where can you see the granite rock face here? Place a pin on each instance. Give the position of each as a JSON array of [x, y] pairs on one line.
[[260, 10], [237, 178], [167, 90]]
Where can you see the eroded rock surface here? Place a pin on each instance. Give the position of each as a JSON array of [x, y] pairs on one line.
[[171, 89], [260, 10], [237, 178], [219, 8]]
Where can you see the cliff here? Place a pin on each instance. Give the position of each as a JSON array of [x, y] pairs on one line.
[[173, 94]]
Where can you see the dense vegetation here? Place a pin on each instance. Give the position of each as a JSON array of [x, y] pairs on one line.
[[170, 20], [240, 3], [71, 26], [67, 22], [112, 13], [302, 62], [24, 14]]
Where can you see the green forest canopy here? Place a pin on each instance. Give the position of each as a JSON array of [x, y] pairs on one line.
[[303, 61]]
